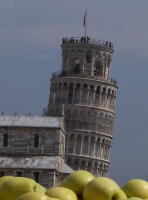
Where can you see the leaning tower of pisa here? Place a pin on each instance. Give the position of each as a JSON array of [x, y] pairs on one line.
[[84, 94]]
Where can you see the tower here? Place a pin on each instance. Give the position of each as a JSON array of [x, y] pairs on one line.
[[85, 94]]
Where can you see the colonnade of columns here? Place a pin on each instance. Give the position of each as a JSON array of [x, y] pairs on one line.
[[85, 118], [98, 168], [94, 147], [85, 94]]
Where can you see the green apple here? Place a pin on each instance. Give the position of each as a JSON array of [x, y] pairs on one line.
[[134, 198], [16, 186], [40, 188], [34, 196], [4, 178], [77, 181], [61, 193], [103, 188], [136, 188]]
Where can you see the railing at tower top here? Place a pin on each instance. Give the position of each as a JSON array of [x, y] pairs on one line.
[[66, 74], [88, 40]]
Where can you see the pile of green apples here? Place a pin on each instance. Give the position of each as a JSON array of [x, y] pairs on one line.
[[80, 185]]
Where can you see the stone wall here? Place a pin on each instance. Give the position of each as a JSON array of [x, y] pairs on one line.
[[21, 140]]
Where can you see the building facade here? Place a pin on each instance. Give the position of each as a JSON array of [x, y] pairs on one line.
[[84, 93], [34, 147]]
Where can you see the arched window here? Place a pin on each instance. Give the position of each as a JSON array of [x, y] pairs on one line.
[[5, 140], [36, 140]]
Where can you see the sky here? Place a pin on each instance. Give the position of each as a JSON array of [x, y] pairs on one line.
[[30, 37]]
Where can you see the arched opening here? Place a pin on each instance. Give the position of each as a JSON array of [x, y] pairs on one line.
[[91, 147], [89, 166], [95, 171], [97, 149], [70, 93], [108, 97], [84, 94], [97, 96], [76, 164], [76, 66], [83, 163], [81, 121], [74, 119], [5, 140], [77, 94], [36, 140], [85, 146], [78, 144], [71, 142], [59, 93], [68, 118], [88, 57], [64, 95], [91, 95], [103, 100], [98, 68]]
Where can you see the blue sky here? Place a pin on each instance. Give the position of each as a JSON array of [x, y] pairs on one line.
[[30, 38]]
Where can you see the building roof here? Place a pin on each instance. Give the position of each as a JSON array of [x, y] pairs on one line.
[[36, 162], [31, 121]]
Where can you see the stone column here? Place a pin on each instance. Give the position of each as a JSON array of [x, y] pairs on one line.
[[93, 163], [93, 98], [100, 149], [108, 97], [75, 142], [100, 98], [81, 91], [89, 139], [95, 143], [92, 65], [109, 150], [81, 149], [87, 96], [73, 96], [114, 102]]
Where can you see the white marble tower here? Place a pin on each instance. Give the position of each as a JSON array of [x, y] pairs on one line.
[[85, 94]]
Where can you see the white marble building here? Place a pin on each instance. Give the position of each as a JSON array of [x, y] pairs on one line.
[[87, 93], [33, 146]]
